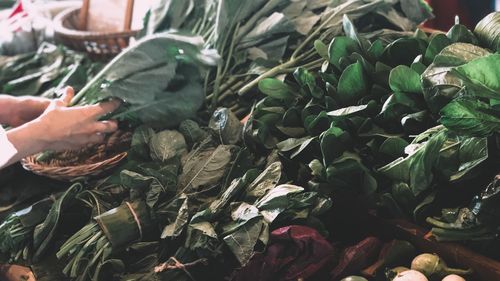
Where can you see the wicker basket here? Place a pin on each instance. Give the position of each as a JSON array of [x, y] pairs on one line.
[[97, 44], [91, 161]]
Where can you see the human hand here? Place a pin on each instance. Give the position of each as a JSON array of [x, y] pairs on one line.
[[67, 128], [15, 273], [20, 110]]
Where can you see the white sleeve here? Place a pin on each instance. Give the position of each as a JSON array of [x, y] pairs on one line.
[[7, 150]]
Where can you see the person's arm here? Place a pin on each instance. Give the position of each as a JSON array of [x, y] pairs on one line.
[[61, 128], [15, 111]]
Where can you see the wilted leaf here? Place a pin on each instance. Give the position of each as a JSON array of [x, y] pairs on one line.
[[205, 167]]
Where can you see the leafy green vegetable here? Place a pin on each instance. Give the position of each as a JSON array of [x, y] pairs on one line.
[[404, 79], [470, 117], [165, 69], [352, 84], [480, 76]]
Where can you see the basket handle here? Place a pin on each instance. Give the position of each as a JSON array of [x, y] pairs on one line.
[[84, 15]]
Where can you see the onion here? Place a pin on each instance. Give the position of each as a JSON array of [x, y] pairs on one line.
[[431, 265], [453, 277], [410, 275], [354, 278]]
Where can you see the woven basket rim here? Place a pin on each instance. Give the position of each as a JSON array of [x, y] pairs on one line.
[[69, 172], [60, 29]]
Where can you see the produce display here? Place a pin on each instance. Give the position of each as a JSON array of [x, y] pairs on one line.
[[341, 99]]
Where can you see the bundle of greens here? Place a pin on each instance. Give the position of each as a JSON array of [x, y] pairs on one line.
[[261, 39], [158, 79], [28, 233], [17, 230]]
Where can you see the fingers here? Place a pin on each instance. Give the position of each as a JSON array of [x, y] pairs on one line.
[[105, 127], [95, 138], [66, 98], [104, 108], [68, 95]]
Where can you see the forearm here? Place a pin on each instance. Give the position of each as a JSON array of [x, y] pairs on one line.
[[26, 140], [6, 105]]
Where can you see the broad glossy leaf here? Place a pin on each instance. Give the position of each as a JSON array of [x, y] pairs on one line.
[[405, 79], [332, 144], [461, 155], [460, 33], [341, 46], [470, 117], [482, 76], [276, 89], [393, 147], [438, 42], [139, 148], [353, 84], [347, 172], [376, 50], [243, 240], [276, 201], [150, 67], [403, 51]]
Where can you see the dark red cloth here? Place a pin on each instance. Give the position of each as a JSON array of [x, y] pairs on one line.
[[294, 252], [445, 12], [356, 258]]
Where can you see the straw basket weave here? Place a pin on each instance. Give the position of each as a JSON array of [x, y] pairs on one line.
[[91, 161], [97, 44]]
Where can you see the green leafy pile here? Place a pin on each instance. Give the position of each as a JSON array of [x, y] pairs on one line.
[[209, 199], [405, 118]]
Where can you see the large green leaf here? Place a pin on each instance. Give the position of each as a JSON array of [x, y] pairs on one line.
[[353, 84], [460, 33], [341, 46], [438, 42], [165, 69], [439, 82], [470, 117], [404, 79], [482, 76], [276, 89]]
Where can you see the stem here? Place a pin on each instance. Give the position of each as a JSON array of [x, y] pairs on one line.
[[231, 91], [231, 50], [270, 73]]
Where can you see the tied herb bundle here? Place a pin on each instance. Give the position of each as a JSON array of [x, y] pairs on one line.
[[93, 244]]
